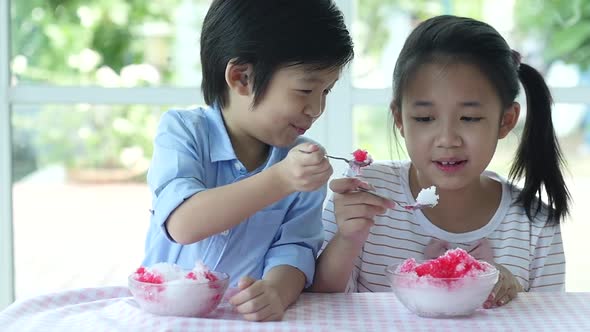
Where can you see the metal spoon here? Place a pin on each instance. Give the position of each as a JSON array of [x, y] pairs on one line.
[[348, 161], [409, 207]]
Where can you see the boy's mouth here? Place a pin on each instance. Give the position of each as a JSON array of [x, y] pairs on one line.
[[300, 130]]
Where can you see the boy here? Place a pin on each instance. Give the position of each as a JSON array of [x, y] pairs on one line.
[[235, 184]]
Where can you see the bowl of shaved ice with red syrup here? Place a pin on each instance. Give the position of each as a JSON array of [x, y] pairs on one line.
[[454, 284], [169, 290]]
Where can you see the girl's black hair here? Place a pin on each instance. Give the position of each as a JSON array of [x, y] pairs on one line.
[[270, 34], [539, 158]]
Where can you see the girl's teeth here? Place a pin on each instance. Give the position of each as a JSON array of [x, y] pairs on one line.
[[448, 162]]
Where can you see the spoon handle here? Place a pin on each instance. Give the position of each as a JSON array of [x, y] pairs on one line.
[[338, 158]]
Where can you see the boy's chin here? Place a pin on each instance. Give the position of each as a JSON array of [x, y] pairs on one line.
[[283, 143]]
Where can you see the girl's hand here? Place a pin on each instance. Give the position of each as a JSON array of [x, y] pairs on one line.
[[305, 168], [506, 289], [354, 210], [258, 300]]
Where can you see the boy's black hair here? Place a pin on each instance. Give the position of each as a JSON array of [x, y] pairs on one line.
[[458, 39], [269, 35]]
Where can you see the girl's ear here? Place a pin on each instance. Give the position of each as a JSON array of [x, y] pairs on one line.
[[397, 118], [509, 120], [238, 77]]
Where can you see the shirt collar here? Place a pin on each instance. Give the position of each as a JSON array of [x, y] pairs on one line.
[[220, 148]]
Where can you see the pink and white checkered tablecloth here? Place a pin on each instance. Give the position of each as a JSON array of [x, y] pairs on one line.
[[113, 309]]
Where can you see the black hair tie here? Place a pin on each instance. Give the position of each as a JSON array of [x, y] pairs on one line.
[[516, 57]]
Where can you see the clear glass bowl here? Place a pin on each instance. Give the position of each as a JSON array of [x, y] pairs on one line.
[[441, 297], [180, 298]]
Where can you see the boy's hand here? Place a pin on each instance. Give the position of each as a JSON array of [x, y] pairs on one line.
[[305, 168], [355, 210], [258, 300], [506, 289]]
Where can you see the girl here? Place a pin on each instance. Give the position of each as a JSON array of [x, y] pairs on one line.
[[455, 85]]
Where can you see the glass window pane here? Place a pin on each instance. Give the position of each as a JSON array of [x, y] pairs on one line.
[[112, 43], [552, 36], [373, 131], [81, 204], [556, 34], [379, 30]]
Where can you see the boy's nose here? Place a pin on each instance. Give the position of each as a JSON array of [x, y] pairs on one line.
[[315, 109]]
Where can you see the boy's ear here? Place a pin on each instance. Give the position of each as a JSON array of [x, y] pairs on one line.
[[509, 120], [397, 118], [238, 77]]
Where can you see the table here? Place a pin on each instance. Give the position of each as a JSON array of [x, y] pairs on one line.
[[113, 309]]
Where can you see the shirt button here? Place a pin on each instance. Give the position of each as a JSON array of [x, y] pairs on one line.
[[224, 233]]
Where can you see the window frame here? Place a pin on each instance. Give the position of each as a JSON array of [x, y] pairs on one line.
[[6, 233]]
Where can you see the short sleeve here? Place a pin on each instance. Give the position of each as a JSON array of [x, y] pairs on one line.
[[548, 264], [176, 172], [330, 229]]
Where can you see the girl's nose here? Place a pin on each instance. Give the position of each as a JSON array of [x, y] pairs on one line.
[[448, 137]]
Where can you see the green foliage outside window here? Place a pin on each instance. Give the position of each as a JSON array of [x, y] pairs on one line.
[[53, 35], [562, 26], [77, 42], [373, 15]]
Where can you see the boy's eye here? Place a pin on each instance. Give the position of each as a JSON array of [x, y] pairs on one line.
[[471, 118], [327, 91], [423, 118]]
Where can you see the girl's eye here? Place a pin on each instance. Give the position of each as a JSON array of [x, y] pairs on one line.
[[423, 118], [305, 91], [471, 118], [327, 91]]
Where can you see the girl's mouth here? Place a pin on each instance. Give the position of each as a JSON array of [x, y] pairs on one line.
[[450, 166]]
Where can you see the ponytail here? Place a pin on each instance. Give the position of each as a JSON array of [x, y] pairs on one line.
[[539, 158]]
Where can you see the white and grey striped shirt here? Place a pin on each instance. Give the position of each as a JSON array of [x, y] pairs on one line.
[[532, 251]]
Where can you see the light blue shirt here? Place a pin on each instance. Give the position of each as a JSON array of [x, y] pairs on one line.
[[193, 152]]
